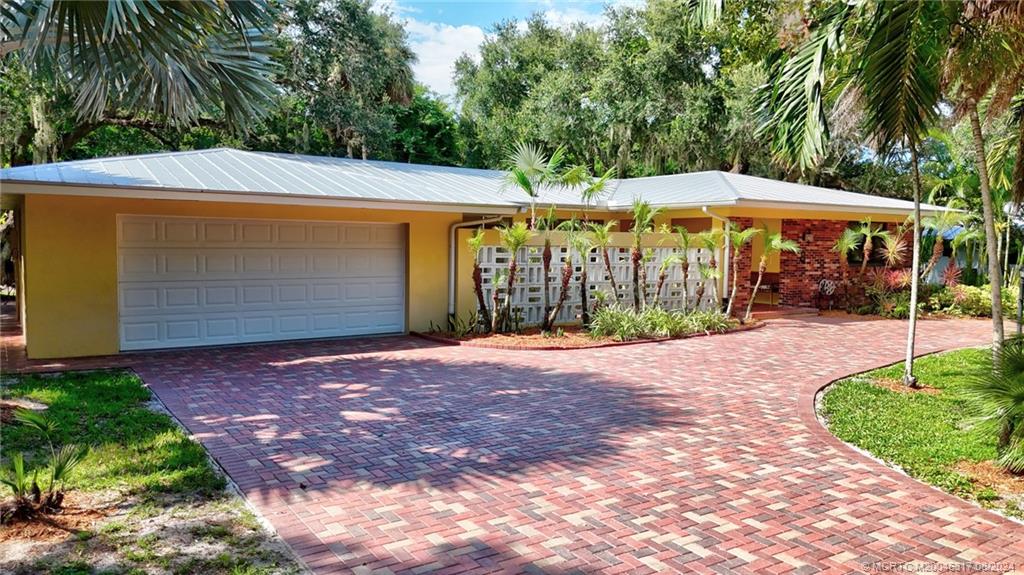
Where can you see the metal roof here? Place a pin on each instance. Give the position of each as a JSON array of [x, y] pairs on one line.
[[225, 170]]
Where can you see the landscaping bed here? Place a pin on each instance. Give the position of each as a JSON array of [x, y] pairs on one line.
[[610, 327], [932, 433], [145, 499]]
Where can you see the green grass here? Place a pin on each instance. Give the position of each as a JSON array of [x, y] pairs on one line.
[[132, 448], [926, 435]]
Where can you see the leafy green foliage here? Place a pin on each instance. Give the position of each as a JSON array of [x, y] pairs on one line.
[[997, 397], [924, 434], [627, 324], [132, 447]]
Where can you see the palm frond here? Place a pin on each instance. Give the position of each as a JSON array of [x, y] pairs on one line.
[[900, 73]]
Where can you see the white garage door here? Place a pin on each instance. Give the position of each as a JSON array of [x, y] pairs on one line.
[[199, 281]]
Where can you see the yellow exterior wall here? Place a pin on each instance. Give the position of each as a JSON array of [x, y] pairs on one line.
[[773, 226], [71, 263]]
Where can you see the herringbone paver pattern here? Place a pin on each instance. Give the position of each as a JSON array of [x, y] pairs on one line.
[[701, 455]]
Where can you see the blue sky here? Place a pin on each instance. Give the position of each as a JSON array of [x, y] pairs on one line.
[[440, 31]]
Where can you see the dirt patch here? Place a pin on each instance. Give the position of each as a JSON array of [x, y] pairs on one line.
[[988, 474], [81, 513], [167, 535], [893, 384], [9, 406]]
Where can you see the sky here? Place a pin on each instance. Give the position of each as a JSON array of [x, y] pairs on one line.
[[441, 31]]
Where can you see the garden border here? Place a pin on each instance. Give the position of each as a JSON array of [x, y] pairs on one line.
[[808, 401], [483, 344]]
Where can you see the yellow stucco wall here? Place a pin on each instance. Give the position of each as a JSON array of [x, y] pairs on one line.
[[71, 263]]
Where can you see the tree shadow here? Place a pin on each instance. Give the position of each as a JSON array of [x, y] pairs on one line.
[[302, 419]]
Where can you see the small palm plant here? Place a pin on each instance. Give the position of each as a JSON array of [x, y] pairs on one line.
[[941, 224], [737, 239], [476, 243], [590, 188], [529, 170], [774, 243], [846, 243], [683, 243], [30, 499], [666, 265], [869, 233], [570, 227], [580, 242], [602, 238], [997, 396], [894, 247], [710, 240], [513, 238], [643, 222]]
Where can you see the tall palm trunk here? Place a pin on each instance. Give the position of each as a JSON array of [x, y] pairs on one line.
[[990, 228], [662, 276], [635, 256], [513, 267], [869, 246], [643, 282], [546, 261], [735, 274], [564, 292], [611, 276], [761, 267], [584, 293], [496, 313], [685, 264], [936, 254], [915, 266], [478, 288]]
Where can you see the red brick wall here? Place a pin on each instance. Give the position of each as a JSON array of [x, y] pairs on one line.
[[743, 286], [800, 273]]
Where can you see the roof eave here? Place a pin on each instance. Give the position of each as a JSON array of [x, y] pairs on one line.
[[818, 207], [193, 195]]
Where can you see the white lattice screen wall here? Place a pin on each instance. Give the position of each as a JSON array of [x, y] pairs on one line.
[[529, 286]]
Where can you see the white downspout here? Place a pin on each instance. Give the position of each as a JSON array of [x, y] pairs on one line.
[[723, 293], [452, 254]]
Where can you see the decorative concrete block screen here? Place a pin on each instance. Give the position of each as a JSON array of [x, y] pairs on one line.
[[528, 296]]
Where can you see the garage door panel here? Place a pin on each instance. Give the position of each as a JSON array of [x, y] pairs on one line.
[[200, 282]]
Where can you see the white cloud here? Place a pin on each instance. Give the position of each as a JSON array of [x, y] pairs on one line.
[[438, 46]]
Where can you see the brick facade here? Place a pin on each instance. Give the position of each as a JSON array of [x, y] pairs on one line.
[[800, 273], [743, 285]]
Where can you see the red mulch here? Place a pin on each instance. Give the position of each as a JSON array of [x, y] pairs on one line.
[[571, 338], [988, 474], [80, 513], [893, 384]]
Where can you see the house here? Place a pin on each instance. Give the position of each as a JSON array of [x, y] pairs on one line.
[[226, 246]]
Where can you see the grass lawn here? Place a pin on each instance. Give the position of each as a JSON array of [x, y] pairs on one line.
[[929, 434], [146, 499]]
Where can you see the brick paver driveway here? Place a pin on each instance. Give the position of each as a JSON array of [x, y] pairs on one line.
[[700, 455]]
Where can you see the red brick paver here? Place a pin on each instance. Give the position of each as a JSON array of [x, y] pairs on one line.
[[700, 455]]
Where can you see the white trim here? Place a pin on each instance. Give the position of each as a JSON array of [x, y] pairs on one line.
[[247, 198], [806, 207]]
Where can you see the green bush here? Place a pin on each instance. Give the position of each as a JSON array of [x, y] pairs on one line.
[[972, 301], [626, 324]]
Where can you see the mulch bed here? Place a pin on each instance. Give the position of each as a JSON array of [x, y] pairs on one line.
[[571, 338], [81, 512], [988, 474], [896, 385]]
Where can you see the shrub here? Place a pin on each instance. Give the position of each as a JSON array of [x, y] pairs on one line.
[[997, 395], [626, 324]]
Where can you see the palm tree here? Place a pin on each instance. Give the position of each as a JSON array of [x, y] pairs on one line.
[[643, 222], [170, 58], [894, 246], [529, 170], [774, 243], [846, 243], [711, 240], [476, 242], [666, 264], [941, 223], [570, 227], [580, 242], [997, 395], [868, 234], [737, 239], [513, 238], [683, 243], [602, 238], [709, 275], [546, 224], [590, 188]]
